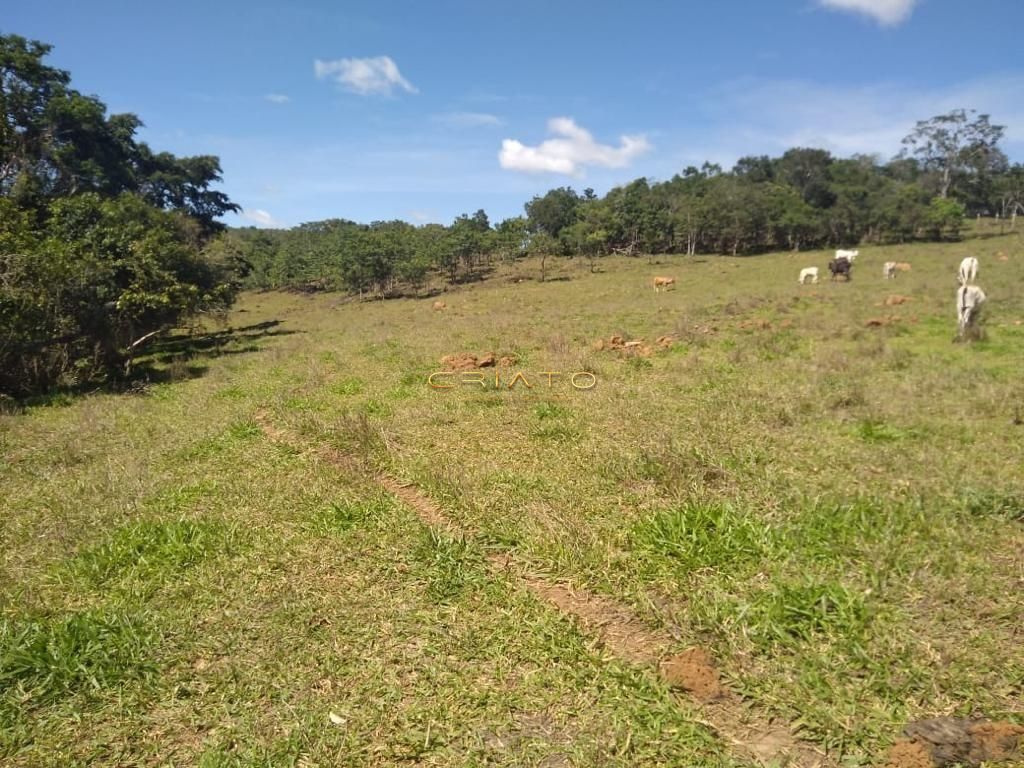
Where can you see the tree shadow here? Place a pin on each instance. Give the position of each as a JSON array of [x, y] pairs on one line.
[[178, 356], [174, 346]]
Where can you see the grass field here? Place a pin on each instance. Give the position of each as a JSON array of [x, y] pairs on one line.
[[835, 511]]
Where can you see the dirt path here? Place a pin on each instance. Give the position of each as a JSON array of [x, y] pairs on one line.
[[750, 734]]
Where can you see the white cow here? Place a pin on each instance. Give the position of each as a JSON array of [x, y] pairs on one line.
[[850, 256], [889, 270], [811, 272], [969, 299], [968, 270]]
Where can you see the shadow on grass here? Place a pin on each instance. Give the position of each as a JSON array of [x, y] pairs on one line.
[[177, 356], [176, 346]]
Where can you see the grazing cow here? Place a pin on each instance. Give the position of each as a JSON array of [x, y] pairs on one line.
[[969, 299], [663, 282], [808, 272], [968, 270], [903, 266], [850, 256], [839, 267], [889, 270]]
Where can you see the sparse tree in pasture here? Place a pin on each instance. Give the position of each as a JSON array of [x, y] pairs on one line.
[[956, 148]]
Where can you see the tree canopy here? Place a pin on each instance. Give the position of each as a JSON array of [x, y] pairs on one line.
[[102, 241]]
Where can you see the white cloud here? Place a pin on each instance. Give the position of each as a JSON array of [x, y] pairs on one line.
[[570, 154], [378, 74], [277, 98], [886, 12], [468, 119], [261, 218]]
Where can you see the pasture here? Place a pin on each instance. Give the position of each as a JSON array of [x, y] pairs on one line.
[[234, 565]]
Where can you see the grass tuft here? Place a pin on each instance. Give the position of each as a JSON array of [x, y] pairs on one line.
[[873, 431], [1007, 505], [343, 516], [42, 658], [152, 550], [452, 566], [792, 613], [697, 535]]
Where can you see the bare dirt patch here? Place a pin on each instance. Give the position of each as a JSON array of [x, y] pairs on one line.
[[634, 347], [943, 741], [614, 626], [465, 361], [909, 754], [881, 322], [424, 508], [694, 671]]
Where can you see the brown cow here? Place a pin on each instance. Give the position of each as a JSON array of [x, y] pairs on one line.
[[903, 266], [663, 282]]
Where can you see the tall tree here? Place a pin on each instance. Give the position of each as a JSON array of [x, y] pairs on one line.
[[953, 146], [551, 213]]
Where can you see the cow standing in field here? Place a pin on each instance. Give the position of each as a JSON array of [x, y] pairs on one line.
[[889, 270], [663, 282], [850, 256], [968, 270], [969, 299], [808, 272], [839, 267]]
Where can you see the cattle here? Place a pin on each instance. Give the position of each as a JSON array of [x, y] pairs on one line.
[[839, 267], [902, 266], [808, 272], [439, 305], [889, 270], [850, 256], [968, 270], [969, 299], [663, 282]]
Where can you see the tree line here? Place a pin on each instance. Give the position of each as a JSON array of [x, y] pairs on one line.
[[950, 167], [103, 241]]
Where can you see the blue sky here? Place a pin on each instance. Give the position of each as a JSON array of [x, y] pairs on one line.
[[425, 110]]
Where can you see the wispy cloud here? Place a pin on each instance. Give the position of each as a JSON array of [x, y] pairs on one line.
[[261, 218], [376, 75], [422, 217], [571, 153], [869, 119], [467, 119], [277, 98], [888, 13]]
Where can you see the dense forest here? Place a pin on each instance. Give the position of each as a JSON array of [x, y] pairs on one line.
[[103, 242], [951, 167]]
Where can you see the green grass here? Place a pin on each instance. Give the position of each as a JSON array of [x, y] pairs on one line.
[[832, 509], [152, 550], [696, 535], [44, 658]]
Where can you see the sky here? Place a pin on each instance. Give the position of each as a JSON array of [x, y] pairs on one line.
[[422, 111]]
